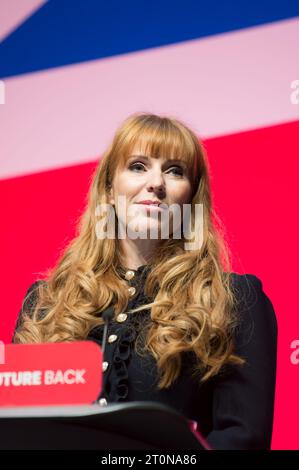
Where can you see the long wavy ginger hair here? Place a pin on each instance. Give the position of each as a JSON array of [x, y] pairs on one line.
[[192, 303]]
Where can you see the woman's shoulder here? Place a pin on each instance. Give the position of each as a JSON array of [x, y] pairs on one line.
[[247, 288], [31, 295], [253, 307], [29, 302], [242, 280]]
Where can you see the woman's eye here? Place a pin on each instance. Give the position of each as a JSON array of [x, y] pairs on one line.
[[136, 165], [178, 169], [139, 166]]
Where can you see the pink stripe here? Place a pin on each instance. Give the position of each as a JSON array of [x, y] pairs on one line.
[[218, 85]]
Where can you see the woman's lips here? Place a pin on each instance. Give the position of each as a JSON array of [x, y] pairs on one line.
[[152, 207]]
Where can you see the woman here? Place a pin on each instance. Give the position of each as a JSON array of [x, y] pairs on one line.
[[187, 331]]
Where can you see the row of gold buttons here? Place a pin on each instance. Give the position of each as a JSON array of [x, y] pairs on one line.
[[120, 319], [128, 276]]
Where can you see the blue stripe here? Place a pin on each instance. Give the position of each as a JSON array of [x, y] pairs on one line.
[[65, 32]]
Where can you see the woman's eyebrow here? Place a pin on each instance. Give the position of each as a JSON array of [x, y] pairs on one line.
[[147, 158]]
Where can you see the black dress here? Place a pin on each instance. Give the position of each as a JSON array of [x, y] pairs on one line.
[[234, 410]]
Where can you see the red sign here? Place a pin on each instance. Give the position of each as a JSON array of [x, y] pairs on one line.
[[51, 374]]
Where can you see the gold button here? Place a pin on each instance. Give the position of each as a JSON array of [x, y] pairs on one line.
[[131, 290], [103, 402], [105, 366], [112, 338], [121, 317], [129, 275]]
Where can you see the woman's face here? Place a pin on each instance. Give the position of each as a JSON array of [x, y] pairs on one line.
[[156, 179]]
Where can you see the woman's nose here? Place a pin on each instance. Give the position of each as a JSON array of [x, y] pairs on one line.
[[156, 180]]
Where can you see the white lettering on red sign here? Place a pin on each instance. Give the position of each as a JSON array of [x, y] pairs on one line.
[[34, 377]]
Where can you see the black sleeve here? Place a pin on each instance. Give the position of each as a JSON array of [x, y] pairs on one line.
[[243, 397], [28, 305]]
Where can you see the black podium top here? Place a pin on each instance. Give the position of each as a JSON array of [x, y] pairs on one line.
[[139, 425]]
